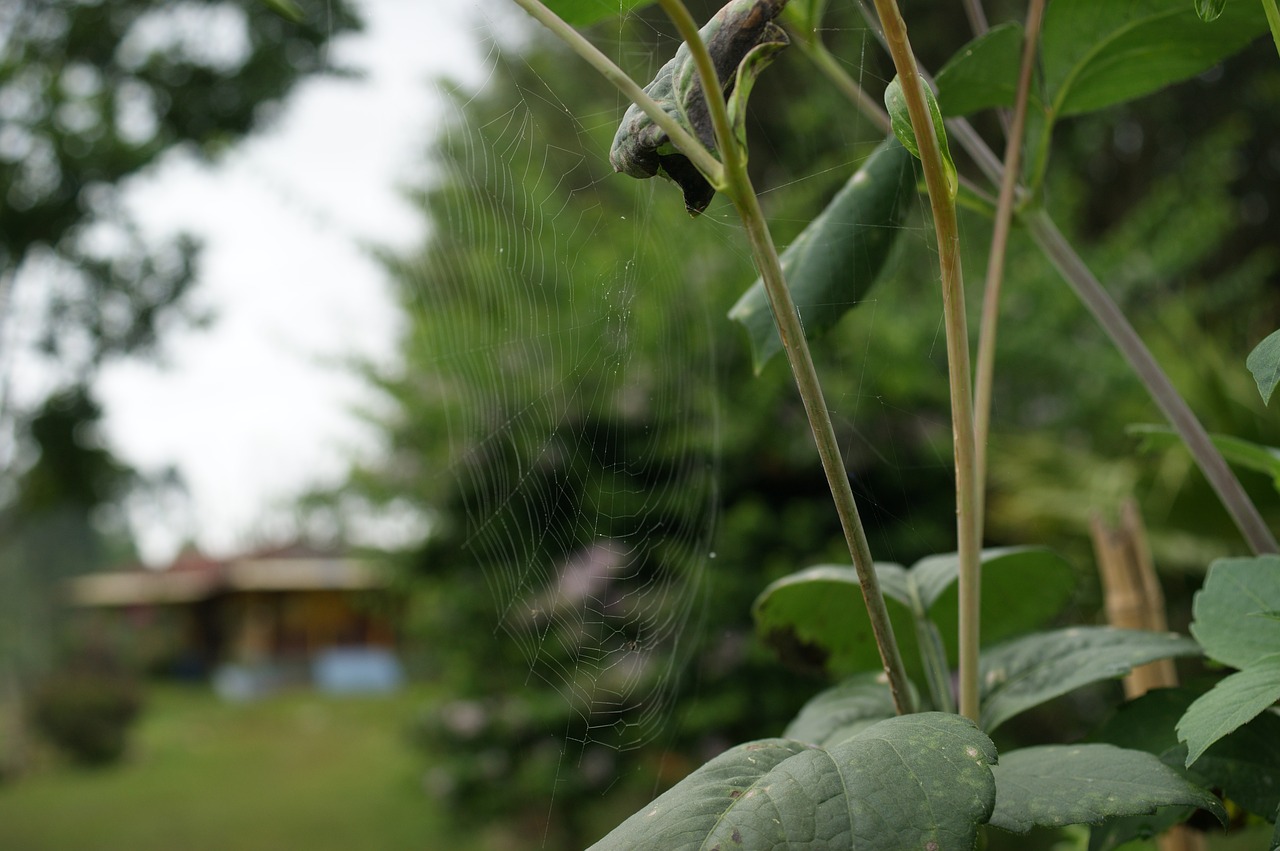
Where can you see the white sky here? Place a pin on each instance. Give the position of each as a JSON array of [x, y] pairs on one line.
[[260, 406]]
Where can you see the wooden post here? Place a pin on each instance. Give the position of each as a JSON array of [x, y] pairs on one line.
[[1134, 600]]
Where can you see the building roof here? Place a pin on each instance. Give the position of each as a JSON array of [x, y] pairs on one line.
[[190, 579]]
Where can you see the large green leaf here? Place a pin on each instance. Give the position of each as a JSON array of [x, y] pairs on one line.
[[1097, 53], [1229, 704], [1085, 784], [1246, 765], [1251, 456], [915, 781], [815, 619], [835, 260], [839, 712], [984, 74], [1234, 613], [1264, 363], [1028, 671], [583, 12]]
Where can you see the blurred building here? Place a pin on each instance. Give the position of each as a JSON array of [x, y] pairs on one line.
[[255, 623]]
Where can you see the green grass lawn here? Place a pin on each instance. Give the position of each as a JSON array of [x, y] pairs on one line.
[[298, 771]]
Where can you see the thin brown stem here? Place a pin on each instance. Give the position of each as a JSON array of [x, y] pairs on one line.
[[794, 344], [957, 332], [999, 245]]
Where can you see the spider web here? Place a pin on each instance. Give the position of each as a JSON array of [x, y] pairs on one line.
[[575, 322]]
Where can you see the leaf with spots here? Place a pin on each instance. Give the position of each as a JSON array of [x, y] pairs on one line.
[[1058, 785], [1029, 671], [915, 781]]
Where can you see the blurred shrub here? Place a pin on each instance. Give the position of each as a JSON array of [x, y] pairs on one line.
[[88, 714]]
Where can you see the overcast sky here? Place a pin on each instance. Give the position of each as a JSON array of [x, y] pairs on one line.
[[259, 407]]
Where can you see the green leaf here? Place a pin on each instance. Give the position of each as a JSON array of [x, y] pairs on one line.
[[835, 260], [1083, 784], [1264, 363], [900, 119], [815, 619], [1209, 10], [843, 710], [1028, 671], [1242, 453], [583, 12], [1229, 704], [642, 149], [915, 781], [984, 74], [1245, 764], [1098, 53], [1229, 612], [748, 72]]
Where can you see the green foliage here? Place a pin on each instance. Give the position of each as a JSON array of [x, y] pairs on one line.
[[815, 618], [1264, 363], [866, 791], [838, 713], [1237, 620], [838, 257], [88, 713], [1210, 10], [984, 74], [1084, 784], [896, 104], [1028, 671]]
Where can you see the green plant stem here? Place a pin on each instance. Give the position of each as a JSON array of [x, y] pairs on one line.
[[1273, 20], [995, 263], [1108, 315], [681, 138], [1126, 340], [787, 318], [948, 236]]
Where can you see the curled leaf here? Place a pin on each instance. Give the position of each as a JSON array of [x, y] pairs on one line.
[[642, 149], [1209, 10], [896, 105]]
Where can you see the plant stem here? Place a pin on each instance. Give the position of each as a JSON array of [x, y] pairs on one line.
[[1273, 20], [995, 263], [948, 237], [1175, 408], [787, 318], [681, 138], [1087, 288]]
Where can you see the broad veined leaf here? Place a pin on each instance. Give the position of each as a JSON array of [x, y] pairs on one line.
[[1230, 613], [815, 619], [1246, 765], [642, 149], [915, 781], [1229, 704], [1098, 53], [839, 712], [1264, 363], [1242, 453], [1146, 724], [1085, 784], [984, 74], [835, 260], [1028, 671], [900, 119], [583, 12]]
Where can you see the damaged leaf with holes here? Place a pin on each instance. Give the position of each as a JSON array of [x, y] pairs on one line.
[[741, 38]]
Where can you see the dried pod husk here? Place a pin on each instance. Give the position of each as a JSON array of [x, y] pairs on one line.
[[642, 149]]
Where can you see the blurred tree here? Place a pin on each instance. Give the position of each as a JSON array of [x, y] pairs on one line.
[[92, 93]]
